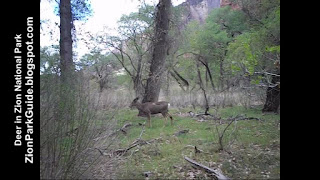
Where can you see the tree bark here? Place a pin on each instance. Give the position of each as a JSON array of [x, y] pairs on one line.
[[221, 74], [273, 96], [159, 52], [209, 73], [138, 86], [66, 105], [66, 62], [180, 80], [206, 105]]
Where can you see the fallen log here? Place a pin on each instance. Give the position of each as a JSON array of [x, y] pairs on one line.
[[215, 173]]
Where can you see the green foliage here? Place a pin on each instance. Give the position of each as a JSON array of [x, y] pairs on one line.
[[258, 48], [242, 55], [191, 35], [211, 39], [214, 40], [96, 58], [232, 21], [136, 22], [81, 9], [240, 41], [273, 49], [123, 79]]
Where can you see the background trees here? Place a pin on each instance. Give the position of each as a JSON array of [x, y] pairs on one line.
[[236, 46], [256, 53]]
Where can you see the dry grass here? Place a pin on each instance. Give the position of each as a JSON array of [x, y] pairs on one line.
[[69, 128]]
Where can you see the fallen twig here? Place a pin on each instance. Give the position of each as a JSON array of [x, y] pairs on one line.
[[123, 129], [100, 151], [141, 132], [206, 169]]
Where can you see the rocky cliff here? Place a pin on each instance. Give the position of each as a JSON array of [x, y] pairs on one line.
[[199, 9], [229, 3]]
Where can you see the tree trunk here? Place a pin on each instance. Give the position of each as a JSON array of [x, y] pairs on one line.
[[167, 90], [206, 105], [221, 75], [138, 86], [209, 73], [180, 80], [204, 62], [273, 96], [159, 53], [66, 105], [67, 66]]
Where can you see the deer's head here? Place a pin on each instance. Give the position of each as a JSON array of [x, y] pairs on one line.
[[134, 103]]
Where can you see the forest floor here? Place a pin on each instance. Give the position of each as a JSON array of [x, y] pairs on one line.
[[251, 144]]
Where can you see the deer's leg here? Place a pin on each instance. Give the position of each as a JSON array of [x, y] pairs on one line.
[[149, 119], [170, 118], [165, 116]]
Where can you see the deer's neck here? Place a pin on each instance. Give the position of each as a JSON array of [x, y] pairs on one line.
[[140, 107]]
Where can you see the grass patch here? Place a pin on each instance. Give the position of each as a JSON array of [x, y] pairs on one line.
[[252, 148]]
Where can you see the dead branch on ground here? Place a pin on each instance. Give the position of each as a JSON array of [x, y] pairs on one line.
[[123, 129], [137, 142], [211, 171]]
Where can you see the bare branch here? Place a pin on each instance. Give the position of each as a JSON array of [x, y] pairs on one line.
[[267, 73]]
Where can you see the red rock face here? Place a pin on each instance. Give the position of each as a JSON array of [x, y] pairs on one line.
[[224, 3]]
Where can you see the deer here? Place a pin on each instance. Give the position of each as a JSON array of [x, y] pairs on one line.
[[149, 108]]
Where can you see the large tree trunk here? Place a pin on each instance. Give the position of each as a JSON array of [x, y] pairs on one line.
[[273, 96], [159, 52], [67, 66], [66, 103]]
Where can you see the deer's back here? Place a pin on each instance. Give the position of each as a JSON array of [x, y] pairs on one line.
[[156, 107]]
